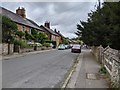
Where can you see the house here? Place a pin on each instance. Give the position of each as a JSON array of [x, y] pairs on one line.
[[23, 23], [60, 36], [53, 36]]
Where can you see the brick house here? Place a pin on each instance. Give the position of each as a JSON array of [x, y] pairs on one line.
[[53, 36], [23, 23], [60, 36]]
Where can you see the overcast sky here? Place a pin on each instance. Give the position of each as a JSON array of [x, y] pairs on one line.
[[64, 16]]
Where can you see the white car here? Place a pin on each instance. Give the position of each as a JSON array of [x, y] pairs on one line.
[[30, 43], [38, 44], [61, 47]]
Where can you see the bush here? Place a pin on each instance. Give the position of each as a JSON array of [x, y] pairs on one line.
[[103, 70], [17, 42], [22, 44], [46, 44]]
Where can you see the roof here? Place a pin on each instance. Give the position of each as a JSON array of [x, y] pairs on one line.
[[35, 24], [18, 19], [49, 30], [59, 34]]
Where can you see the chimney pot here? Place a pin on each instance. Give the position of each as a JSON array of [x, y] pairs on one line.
[[21, 12], [55, 30], [47, 24]]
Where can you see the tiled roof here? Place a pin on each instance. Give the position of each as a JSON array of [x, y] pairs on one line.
[[18, 19], [59, 34], [35, 24], [49, 30]]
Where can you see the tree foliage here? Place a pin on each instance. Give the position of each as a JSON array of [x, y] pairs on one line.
[[20, 34], [102, 26], [65, 40], [39, 36], [9, 29]]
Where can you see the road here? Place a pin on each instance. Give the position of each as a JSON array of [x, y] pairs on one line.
[[43, 70]]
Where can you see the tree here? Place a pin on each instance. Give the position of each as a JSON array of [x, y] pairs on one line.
[[9, 29], [102, 26], [65, 40], [20, 34], [42, 37], [29, 36]]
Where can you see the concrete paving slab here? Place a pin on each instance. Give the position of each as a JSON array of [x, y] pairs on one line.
[[88, 75]]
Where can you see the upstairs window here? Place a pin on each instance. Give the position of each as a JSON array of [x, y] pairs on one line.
[[23, 28]]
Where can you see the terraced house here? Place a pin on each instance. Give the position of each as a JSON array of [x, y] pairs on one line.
[[23, 23], [52, 35]]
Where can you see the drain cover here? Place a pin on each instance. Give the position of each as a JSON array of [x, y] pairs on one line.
[[92, 76]]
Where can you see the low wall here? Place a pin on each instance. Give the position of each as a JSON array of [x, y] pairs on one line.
[[5, 50], [109, 58], [26, 50], [0, 49]]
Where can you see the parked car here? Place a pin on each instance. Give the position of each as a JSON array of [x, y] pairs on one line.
[[71, 45], [76, 48], [51, 45], [66, 47], [61, 47], [38, 44]]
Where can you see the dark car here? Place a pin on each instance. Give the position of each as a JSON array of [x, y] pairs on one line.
[[76, 48]]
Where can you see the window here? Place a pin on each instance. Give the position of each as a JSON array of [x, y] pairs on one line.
[[30, 30], [23, 28]]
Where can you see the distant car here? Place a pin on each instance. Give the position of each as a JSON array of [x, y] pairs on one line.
[[51, 45], [76, 48], [66, 47], [61, 47], [70, 46]]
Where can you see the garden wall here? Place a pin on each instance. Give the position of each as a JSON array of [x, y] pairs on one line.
[[110, 59], [5, 48]]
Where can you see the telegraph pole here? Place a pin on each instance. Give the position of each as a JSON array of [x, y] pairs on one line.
[[99, 4]]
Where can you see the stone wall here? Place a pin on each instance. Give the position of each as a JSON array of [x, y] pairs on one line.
[[26, 50], [109, 58], [5, 49], [0, 48]]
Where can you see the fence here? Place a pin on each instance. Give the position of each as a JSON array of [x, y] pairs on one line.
[[110, 59]]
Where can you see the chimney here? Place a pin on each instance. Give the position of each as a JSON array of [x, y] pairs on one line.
[[47, 24], [21, 12], [58, 31], [55, 30]]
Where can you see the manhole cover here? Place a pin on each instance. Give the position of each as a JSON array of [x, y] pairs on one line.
[[92, 76]]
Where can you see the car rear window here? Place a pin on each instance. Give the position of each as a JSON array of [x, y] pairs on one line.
[[76, 46]]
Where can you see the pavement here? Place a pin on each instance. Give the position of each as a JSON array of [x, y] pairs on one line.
[[17, 55], [86, 73]]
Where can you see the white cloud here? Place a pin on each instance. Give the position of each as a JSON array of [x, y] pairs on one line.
[[63, 15]]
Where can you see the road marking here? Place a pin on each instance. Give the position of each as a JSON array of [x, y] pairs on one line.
[[72, 78]]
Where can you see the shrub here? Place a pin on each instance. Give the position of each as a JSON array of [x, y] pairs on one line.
[[22, 44], [46, 44], [103, 70], [17, 42]]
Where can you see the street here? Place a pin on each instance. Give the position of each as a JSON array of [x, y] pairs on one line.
[[43, 70]]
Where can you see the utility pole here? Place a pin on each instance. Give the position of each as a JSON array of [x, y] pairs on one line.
[[99, 4]]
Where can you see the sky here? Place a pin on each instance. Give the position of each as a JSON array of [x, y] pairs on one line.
[[64, 16]]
